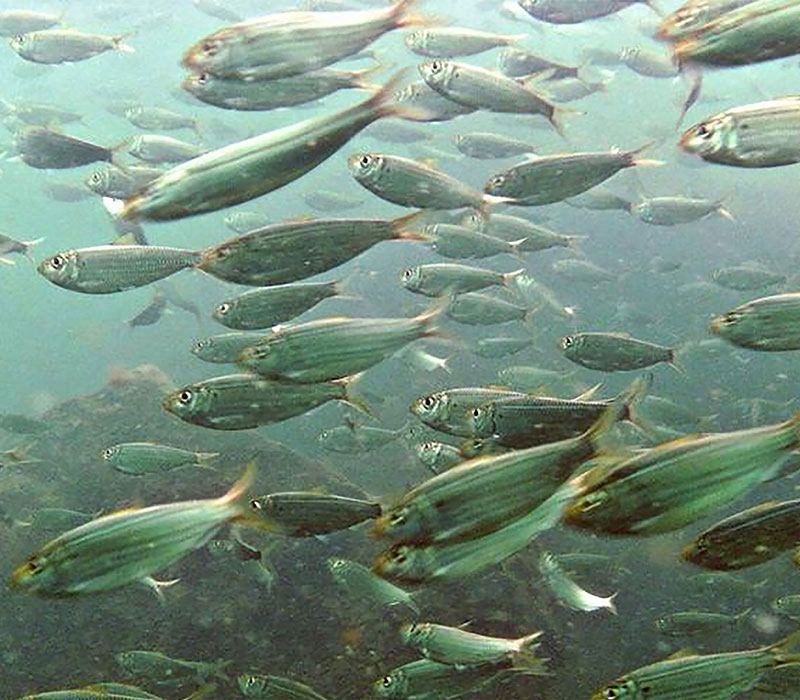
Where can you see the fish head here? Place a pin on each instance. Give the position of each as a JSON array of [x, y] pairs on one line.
[[417, 40], [365, 167], [528, 5], [197, 83], [629, 53], [214, 53], [21, 44], [481, 420], [252, 685], [709, 137], [570, 345], [411, 278], [644, 211], [128, 661], [724, 324], [34, 576], [204, 348], [618, 690], [112, 454], [392, 685], [432, 409], [581, 511], [60, 269], [400, 522], [437, 73], [185, 402], [337, 566], [699, 552], [502, 184], [416, 633], [428, 452], [476, 220]]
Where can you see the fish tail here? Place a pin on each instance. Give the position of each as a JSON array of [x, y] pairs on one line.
[[654, 7], [404, 227], [524, 657], [402, 15], [514, 39], [787, 650], [620, 409], [384, 103], [725, 213], [157, 586], [431, 315], [237, 495], [203, 457], [611, 605], [573, 243], [6, 261], [118, 42], [509, 277], [358, 78], [350, 398]]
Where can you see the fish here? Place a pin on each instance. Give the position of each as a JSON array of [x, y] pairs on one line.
[[412, 183], [459, 648], [269, 306], [160, 119], [532, 237], [448, 278], [44, 148], [614, 352], [548, 179], [38, 113], [788, 605], [768, 324], [488, 90], [278, 253], [685, 624], [263, 95], [245, 221], [694, 16], [529, 377], [330, 201], [484, 145], [427, 680], [758, 135], [261, 164], [157, 149], [583, 271], [461, 243], [647, 62], [53, 46], [599, 199], [263, 687], [152, 313], [285, 44], [575, 11], [160, 668], [357, 439], [13, 22], [501, 346], [477, 309], [747, 538], [670, 211], [332, 348], [243, 401], [517, 63], [568, 592], [107, 553], [139, 458], [59, 518], [419, 360], [396, 131], [439, 456], [9, 245], [448, 42], [357, 581], [427, 105], [213, 8], [308, 514], [746, 277], [704, 676], [64, 191], [679, 481], [107, 269], [225, 348]]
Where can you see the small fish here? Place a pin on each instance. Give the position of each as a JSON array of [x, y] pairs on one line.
[[746, 277], [495, 348], [64, 191], [13, 22], [457, 647], [65, 45], [575, 11], [447, 42], [330, 201], [568, 592], [245, 221], [114, 268], [747, 538], [396, 131], [269, 306], [478, 309], [357, 439], [39, 113], [647, 62], [548, 179], [160, 668], [243, 401], [358, 582], [411, 183], [517, 63], [44, 148], [159, 119], [447, 278], [428, 680], [759, 135], [487, 145], [460, 243], [308, 514], [157, 149], [291, 43], [583, 271], [214, 8], [59, 518], [480, 88], [613, 352], [529, 377], [139, 458], [17, 456], [769, 324], [687, 624], [150, 314], [439, 456], [427, 105], [599, 199], [261, 687], [788, 605], [78, 562], [225, 348], [670, 211], [10, 245]]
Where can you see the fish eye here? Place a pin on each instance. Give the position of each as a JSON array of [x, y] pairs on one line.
[[398, 519], [210, 48], [108, 453], [19, 39], [365, 160], [567, 341], [223, 308], [428, 402], [199, 345], [96, 176], [611, 693], [498, 181], [185, 396], [33, 567], [255, 504], [202, 78], [437, 66], [731, 318], [592, 501], [250, 681], [477, 412], [57, 262], [407, 273], [701, 544], [387, 681], [704, 131], [427, 445]]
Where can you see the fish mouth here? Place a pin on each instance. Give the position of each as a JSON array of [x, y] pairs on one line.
[[716, 325], [19, 578], [688, 553]]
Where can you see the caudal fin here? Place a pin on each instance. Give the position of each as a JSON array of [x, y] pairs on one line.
[[119, 44]]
